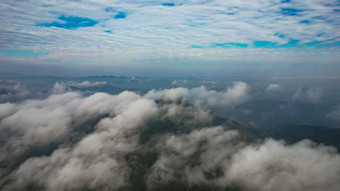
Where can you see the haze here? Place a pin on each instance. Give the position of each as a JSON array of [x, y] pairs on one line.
[[143, 95]]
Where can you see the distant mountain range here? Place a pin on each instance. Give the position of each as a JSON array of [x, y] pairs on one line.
[[293, 133]]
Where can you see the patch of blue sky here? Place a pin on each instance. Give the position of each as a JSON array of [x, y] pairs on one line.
[[264, 44], [120, 15], [291, 11], [295, 44], [290, 44], [168, 4], [231, 44], [219, 45], [71, 22], [279, 35], [196, 46], [305, 22], [108, 31], [29, 54], [224, 45], [110, 9], [268, 44]]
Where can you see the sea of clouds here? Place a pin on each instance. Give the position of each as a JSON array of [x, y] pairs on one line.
[[95, 143]]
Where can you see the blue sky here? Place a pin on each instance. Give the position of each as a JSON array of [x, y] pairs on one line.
[[188, 34]]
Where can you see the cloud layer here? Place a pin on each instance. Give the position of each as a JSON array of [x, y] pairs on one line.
[[132, 142], [129, 31], [201, 96]]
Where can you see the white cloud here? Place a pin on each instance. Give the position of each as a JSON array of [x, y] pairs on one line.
[[41, 122], [152, 31], [201, 96], [273, 87], [312, 95], [275, 166], [58, 88], [334, 114], [7, 109], [86, 84], [191, 150], [95, 161], [213, 144], [17, 92], [215, 156]]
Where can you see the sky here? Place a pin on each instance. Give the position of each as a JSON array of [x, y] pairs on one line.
[[279, 37]]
